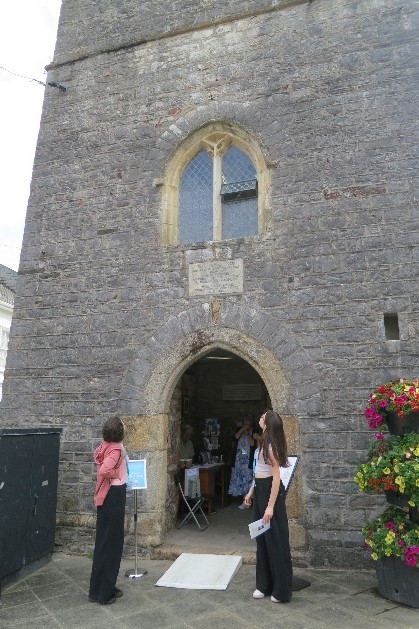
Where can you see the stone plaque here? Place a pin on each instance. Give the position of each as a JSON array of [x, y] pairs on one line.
[[223, 277]]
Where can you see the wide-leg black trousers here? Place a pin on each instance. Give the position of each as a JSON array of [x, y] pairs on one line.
[[273, 553], [108, 544]]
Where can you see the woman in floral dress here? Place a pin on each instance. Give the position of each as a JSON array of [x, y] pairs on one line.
[[242, 472]]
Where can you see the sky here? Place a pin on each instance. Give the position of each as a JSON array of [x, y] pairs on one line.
[[28, 30]]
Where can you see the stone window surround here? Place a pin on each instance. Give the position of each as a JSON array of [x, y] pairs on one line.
[[214, 137]]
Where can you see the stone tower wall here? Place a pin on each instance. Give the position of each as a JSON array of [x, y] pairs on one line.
[[329, 91]]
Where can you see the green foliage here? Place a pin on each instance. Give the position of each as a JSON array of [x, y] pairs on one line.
[[392, 464], [393, 534]]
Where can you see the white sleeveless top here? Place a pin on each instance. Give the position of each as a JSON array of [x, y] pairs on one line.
[[262, 469]]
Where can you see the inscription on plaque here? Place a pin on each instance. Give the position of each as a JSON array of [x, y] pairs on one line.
[[242, 392], [224, 277]]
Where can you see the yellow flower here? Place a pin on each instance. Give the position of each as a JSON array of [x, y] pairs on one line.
[[387, 552], [417, 482], [390, 537], [396, 467], [399, 480], [386, 470], [411, 503], [359, 480], [374, 556], [416, 451]]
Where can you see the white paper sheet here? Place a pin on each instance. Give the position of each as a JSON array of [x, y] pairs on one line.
[[257, 528]]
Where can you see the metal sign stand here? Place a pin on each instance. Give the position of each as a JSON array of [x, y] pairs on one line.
[[135, 574]]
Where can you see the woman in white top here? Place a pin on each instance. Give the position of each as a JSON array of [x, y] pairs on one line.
[[273, 554]]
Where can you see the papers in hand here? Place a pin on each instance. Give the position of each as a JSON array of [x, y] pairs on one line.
[[257, 528]]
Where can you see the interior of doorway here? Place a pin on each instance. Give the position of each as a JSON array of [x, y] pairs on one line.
[[224, 387]]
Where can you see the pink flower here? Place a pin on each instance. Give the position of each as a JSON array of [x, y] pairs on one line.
[[383, 403], [379, 435], [375, 420], [400, 543], [410, 555], [389, 525], [410, 559]]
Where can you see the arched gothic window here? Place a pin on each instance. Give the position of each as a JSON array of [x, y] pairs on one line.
[[218, 197], [213, 192]]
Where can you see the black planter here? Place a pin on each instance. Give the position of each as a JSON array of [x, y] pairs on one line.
[[398, 582], [397, 499], [400, 426]]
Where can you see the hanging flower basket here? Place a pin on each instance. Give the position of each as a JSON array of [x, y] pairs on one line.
[[396, 498], [398, 427], [395, 404], [392, 465], [393, 534]]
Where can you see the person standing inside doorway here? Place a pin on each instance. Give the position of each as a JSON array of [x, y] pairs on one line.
[[242, 472], [273, 554], [110, 496], [186, 449]]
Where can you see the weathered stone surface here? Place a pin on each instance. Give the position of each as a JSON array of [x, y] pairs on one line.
[[146, 432], [298, 536], [103, 322]]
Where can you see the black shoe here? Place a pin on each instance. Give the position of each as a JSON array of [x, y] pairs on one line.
[[118, 593], [108, 602]]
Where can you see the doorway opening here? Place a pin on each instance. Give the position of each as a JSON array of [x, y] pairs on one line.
[[224, 388], [221, 386]]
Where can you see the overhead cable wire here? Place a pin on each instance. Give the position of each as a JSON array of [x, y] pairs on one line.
[[48, 83]]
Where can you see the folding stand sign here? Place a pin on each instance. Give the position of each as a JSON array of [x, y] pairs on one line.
[[287, 473], [137, 480]]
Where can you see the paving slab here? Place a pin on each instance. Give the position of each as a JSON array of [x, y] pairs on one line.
[[55, 597]]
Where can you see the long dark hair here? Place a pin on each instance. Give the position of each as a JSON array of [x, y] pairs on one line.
[[274, 437]]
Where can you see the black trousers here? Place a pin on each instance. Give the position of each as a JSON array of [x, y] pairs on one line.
[[108, 544], [273, 554]]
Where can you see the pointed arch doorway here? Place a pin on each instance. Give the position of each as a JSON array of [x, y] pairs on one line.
[[152, 402], [224, 386]]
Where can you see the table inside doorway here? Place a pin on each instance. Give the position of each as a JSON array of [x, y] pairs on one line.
[[207, 474]]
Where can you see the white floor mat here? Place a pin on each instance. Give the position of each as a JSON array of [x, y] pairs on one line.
[[201, 572]]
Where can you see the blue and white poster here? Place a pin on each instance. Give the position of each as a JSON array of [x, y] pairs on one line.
[[137, 478]]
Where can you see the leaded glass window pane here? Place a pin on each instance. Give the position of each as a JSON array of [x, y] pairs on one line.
[[195, 200], [240, 215], [237, 166], [240, 218]]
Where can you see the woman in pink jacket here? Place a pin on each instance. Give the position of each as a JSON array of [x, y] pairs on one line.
[[110, 494]]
